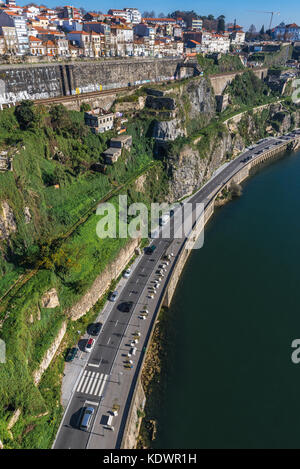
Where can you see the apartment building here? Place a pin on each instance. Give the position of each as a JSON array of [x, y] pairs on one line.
[[14, 20]]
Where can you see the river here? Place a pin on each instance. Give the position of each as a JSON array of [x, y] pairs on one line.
[[228, 380]]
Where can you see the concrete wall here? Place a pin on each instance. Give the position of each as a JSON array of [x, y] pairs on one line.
[[219, 82], [42, 81], [17, 83]]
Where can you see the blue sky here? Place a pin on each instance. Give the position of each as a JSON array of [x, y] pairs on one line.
[[289, 11]]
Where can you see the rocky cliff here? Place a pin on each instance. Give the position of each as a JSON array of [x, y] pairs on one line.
[[194, 142]]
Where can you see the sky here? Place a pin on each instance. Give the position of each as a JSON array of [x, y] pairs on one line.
[[241, 10]]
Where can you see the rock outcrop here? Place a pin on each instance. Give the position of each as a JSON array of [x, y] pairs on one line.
[[50, 299], [7, 221], [168, 130], [49, 355]]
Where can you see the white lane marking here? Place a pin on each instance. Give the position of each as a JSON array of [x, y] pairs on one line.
[[90, 382], [103, 384], [93, 385], [116, 323], [82, 378], [137, 280], [108, 341], [92, 403], [93, 364], [87, 374], [98, 385]]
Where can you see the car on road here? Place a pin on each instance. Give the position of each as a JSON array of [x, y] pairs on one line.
[[151, 249], [90, 345], [96, 328], [86, 418], [127, 273], [126, 307], [72, 352], [113, 296]]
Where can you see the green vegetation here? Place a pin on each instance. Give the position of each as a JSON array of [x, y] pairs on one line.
[[278, 58], [56, 149], [247, 89], [227, 63]]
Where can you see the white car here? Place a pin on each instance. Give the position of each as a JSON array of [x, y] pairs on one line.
[[127, 273]]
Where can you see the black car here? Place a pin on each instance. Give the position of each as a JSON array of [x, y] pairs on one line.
[[96, 328], [126, 307], [72, 352], [151, 249]]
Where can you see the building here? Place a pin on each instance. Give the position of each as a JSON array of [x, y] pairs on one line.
[[111, 155], [117, 144], [286, 32], [2, 45], [99, 120], [92, 16], [36, 46], [135, 15], [121, 13], [14, 20], [197, 24], [10, 39], [214, 42], [237, 37], [193, 46], [123, 141]]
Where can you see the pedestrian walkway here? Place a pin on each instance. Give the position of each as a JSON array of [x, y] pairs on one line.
[[92, 383]]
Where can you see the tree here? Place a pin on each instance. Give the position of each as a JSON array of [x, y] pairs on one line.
[[59, 117], [161, 15], [262, 30], [26, 115], [252, 29], [221, 24], [149, 14], [85, 107]]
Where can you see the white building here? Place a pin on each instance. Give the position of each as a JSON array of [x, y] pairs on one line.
[[121, 13], [237, 37], [213, 42], [135, 15], [17, 21]]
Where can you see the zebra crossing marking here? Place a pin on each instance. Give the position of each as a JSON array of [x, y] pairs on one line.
[[92, 383]]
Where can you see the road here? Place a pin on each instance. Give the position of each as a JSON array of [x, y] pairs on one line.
[[105, 383]]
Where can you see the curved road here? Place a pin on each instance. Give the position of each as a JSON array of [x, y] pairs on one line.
[[105, 383]]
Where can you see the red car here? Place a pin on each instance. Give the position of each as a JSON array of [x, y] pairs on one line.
[[90, 344]]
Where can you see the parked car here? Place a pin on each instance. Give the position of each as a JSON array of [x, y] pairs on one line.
[[127, 273], [151, 249], [113, 296], [90, 345], [96, 328], [86, 418], [72, 352]]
